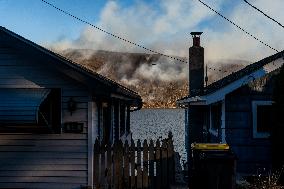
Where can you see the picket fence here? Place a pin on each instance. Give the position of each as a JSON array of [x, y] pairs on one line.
[[126, 166]]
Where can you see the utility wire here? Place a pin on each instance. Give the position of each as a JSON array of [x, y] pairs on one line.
[[238, 26], [263, 13], [120, 38], [113, 35]]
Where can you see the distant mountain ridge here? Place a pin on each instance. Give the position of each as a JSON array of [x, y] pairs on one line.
[[159, 80]]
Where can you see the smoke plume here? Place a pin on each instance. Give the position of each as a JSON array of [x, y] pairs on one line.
[[165, 27]]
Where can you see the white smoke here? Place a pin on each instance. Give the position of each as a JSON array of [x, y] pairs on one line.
[[163, 28], [166, 27], [162, 71], [132, 68]]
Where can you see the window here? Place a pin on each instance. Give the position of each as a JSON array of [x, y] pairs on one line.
[[262, 118], [105, 122], [127, 120], [116, 120], [215, 118], [30, 110], [122, 119]]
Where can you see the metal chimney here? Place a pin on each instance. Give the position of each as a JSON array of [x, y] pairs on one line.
[[196, 38]]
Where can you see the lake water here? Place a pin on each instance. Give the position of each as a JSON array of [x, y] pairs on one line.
[[156, 123]]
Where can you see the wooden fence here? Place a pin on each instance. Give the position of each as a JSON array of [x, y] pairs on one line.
[[123, 166]]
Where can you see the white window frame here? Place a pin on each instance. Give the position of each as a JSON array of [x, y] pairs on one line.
[[212, 130], [215, 132], [223, 122], [254, 118]]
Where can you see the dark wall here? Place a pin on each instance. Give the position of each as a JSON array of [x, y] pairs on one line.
[[197, 116], [278, 126], [253, 154]]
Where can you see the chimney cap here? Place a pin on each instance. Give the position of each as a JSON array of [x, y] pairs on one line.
[[195, 33]]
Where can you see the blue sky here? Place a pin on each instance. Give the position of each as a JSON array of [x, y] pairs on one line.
[[41, 23], [163, 25]]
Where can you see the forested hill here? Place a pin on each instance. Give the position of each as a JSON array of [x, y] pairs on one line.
[[160, 81]]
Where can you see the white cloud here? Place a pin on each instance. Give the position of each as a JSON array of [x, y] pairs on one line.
[[166, 29], [235, 44]]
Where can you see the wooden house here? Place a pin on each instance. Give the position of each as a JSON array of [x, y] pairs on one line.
[[51, 112], [236, 109]]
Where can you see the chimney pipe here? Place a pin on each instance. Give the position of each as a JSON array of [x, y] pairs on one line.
[[196, 65], [196, 38]]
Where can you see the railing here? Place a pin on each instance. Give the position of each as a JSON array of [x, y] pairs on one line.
[[123, 166]]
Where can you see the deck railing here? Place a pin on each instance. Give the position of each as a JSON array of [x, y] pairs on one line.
[[123, 165]]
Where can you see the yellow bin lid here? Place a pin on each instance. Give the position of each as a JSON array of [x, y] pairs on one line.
[[209, 146]]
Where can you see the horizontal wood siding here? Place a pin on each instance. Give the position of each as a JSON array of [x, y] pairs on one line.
[[253, 154], [43, 160]]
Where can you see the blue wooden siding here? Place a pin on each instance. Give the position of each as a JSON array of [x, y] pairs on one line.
[[45, 161], [253, 154], [42, 160]]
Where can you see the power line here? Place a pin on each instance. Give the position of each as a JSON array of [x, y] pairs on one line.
[[113, 35], [238, 26], [263, 13], [123, 39]]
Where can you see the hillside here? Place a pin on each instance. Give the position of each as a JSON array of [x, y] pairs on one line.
[[158, 80]]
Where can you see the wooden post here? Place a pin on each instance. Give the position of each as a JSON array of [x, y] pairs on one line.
[[139, 170], [158, 164], [171, 163], [132, 164], [116, 165], [126, 165], [96, 163], [151, 165], [165, 181], [109, 166], [120, 164], [145, 165], [103, 167]]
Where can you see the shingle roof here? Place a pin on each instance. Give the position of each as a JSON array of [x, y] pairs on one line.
[[236, 75], [75, 65]]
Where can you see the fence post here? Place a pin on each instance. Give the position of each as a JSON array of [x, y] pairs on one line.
[[103, 167], [120, 164], [116, 165], [109, 166], [165, 180], [139, 165], [158, 164], [151, 165], [96, 163], [132, 164], [126, 165], [145, 164], [171, 166]]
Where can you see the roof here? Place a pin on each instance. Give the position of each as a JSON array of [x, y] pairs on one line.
[[214, 87], [76, 66]]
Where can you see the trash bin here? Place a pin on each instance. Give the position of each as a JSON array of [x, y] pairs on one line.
[[213, 167]]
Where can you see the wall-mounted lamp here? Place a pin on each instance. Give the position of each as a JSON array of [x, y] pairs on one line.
[[72, 105]]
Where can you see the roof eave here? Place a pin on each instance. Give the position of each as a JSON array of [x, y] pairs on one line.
[[220, 94], [119, 88], [196, 100]]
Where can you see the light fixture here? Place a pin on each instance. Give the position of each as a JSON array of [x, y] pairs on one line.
[[72, 105]]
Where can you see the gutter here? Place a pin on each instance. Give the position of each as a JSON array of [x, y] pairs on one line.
[[196, 100], [138, 107]]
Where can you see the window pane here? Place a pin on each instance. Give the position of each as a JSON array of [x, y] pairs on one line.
[[216, 111], [264, 118], [122, 119]]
